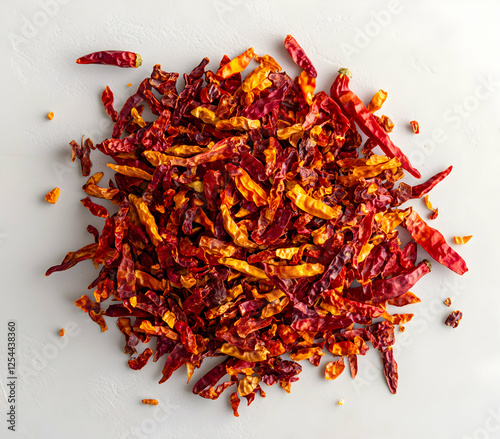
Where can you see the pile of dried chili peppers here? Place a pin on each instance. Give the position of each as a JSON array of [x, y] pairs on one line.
[[252, 223]]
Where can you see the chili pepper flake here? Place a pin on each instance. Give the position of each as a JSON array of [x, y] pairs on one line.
[[249, 222], [377, 101], [50, 115], [462, 239], [61, 332], [447, 301], [341, 402], [53, 195], [150, 401], [415, 126], [454, 319], [334, 369]]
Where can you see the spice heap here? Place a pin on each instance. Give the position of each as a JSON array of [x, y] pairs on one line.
[[253, 223]]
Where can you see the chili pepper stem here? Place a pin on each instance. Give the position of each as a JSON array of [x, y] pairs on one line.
[[346, 72]]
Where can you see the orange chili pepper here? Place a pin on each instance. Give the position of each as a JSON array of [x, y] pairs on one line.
[[236, 65]]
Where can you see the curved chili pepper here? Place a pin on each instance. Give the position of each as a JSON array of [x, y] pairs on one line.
[[434, 243], [299, 56], [118, 58], [366, 121], [424, 188]]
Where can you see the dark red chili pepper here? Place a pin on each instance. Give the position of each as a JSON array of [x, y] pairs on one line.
[[299, 56], [433, 242], [118, 58], [454, 319], [422, 189], [355, 108], [107, 100]]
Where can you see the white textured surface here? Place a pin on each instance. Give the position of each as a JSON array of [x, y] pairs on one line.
[[430, 56]]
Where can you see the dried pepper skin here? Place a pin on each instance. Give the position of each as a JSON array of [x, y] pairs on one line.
[[248, 221], [433, 242], [454, 319], [118, 58], [424, 188], [299, 56], [355, 108]]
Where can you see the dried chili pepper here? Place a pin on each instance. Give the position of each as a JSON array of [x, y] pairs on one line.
[[415, 126], [150, 401], [299, 56], [454, 319], [355, 108], [377, 101], [53, 195], [118, 58], [424, 188], [433, 242], [50, 115], [462, 239], [247, 226]]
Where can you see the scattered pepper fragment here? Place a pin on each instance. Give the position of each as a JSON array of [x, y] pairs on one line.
[[53, 195], [415, 126], [61, 332], [462, 239], [454, 319], [50, 116], [150, 401], [377, 101], [447, 301]]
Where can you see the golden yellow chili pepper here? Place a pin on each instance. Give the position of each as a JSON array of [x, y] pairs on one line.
[[236, 65], [247, 385], [130, 171], [255, 78], [259, 354], [377, 101], [239, 237], [146, 218], [137, 118], [247, 187], [238, 123], [296, 271], [307, 84], [205, 115], [243, 267], [312, 206]]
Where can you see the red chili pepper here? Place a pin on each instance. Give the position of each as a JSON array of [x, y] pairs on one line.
[[118, 58], [433, 242], [424, 188], [415, 126], [355, 108], [299, 56]]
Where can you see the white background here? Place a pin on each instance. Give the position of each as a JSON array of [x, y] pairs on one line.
[[439, 63]]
